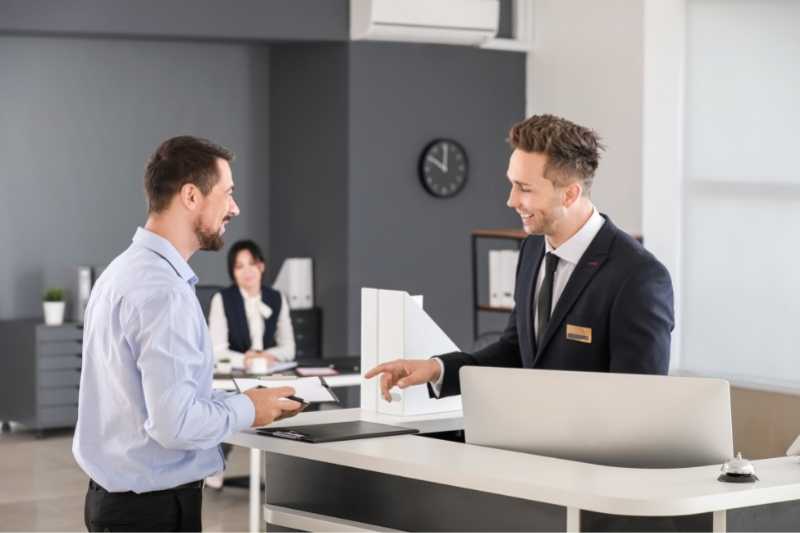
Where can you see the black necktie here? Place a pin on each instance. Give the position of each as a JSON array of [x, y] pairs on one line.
[[545, 301]]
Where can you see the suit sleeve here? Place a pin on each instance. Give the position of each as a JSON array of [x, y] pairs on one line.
[[641, 322], [504, 352]]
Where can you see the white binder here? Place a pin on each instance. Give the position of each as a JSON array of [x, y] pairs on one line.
[[394, 326], [495, 275], [296, 281], [508, 269]]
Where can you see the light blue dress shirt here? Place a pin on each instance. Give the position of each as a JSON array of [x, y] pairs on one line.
[[147, 416]]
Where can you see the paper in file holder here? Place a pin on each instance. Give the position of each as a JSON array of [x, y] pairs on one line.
[[295, 280], [794, 449], [394, 326]]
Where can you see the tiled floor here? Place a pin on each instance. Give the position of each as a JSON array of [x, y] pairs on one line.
[[42, 489]]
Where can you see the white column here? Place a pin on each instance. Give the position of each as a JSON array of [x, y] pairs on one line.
[[662, 141], [255, 490], [573, 519], [720, 522]]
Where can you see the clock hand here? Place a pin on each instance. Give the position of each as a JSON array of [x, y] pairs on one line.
[[445, 158], [436, 162]]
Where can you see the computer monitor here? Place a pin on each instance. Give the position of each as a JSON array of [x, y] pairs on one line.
[[609, 419]]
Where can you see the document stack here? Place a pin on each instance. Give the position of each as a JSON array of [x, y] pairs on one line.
[[296, 281], [394, 326], [502, 275]]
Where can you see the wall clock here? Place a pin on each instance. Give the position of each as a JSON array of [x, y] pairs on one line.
[[443, 168]]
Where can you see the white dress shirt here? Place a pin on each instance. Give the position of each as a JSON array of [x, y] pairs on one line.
[[569, 253], [256, 312], [148, 418]]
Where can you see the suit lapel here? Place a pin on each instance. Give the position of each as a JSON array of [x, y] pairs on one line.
[[589, 264], [530, 289]]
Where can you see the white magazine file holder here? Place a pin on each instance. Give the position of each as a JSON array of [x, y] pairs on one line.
[[394, 326]]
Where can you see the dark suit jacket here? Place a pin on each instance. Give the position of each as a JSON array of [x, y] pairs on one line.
[[618, 289]]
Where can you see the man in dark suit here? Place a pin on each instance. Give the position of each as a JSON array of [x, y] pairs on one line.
[[588, 296]]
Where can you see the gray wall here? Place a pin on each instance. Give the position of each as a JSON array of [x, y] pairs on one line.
[[327, 136], [308, 176], [292, 20], [78, 120], [348, 124], [401, 97]]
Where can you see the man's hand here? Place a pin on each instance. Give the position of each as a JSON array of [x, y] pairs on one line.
[[404, 373], [272, 405]]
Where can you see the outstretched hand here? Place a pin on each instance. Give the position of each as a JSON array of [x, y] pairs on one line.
[[404, 373]]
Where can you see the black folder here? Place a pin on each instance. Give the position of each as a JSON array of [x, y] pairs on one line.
[[357, 429]]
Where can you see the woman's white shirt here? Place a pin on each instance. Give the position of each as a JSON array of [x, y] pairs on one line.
[[256, 312]]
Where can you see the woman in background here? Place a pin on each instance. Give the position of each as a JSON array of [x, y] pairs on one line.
[[249, 321]]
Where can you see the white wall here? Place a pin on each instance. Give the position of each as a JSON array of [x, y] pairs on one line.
[[742, 191], [587, 67]]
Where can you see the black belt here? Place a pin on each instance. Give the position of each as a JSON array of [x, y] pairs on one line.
[[191, 485]]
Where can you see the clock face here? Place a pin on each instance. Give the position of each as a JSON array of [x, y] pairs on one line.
[[443, 168]]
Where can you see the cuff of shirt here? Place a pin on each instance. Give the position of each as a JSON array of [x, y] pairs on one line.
[[243, 410], [437, 385]]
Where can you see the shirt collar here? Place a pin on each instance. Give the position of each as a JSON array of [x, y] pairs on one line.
[[573, 248], [248, 297], [165, 249]]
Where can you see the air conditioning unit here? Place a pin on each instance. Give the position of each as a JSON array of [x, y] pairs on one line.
[[463, 22]]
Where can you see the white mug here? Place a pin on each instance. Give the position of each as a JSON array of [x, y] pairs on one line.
[[258, 366]]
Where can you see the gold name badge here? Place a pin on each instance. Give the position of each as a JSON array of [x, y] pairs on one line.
[[579, 334]]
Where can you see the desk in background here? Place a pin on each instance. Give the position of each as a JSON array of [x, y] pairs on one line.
[[346, 383]]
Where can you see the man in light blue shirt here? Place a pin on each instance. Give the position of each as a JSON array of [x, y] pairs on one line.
[[149, 424]]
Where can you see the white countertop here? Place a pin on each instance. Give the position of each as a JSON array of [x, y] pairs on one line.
[[625, 491]]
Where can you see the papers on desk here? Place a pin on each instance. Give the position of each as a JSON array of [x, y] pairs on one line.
[[306, 371], [278, 367], [312, 389]]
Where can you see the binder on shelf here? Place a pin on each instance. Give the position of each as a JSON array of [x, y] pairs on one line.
[[394, 326], [495, 276], [508, 267], [296, 281], [513, 258]]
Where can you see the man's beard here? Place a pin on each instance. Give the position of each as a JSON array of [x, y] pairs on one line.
[[544, 225], [209, 240]]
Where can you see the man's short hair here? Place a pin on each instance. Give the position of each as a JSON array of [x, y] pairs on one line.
[[178, 161], [573, 152]]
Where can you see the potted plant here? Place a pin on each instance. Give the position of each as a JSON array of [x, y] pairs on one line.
[[54, 307]]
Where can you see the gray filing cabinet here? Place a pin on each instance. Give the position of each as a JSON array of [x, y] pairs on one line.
[[40, 370]]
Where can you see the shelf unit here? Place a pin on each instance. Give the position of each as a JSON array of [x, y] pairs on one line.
[[516, 235]]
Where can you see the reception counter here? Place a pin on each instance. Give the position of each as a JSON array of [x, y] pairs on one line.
[[415, 482]]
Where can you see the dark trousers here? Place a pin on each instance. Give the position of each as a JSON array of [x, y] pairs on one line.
[[177, 509]]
